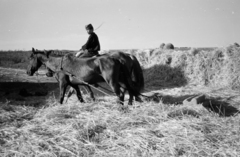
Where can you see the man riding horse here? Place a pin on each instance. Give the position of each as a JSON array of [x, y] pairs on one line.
[[92, 45], [90, 49]]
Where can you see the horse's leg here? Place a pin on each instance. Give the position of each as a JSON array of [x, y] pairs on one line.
[[116, 88], [125, 88], [63, 83], [79, 95], [122, 94], [138, 99], [130, 101], [70, 92], [62, 86], [111, 74], [91, 93]]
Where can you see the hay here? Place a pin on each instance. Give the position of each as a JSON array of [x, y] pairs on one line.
[[147, 129], [162, 45], [183, 111], [100, 129], [218, 67], [168, 46]]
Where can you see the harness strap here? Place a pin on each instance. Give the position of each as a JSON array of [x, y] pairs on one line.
[[68, 73], [106, 89], [61, 68]]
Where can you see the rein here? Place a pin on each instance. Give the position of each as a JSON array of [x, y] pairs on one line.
[[61, 68]]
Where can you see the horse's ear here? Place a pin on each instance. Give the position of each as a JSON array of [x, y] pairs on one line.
[[47, 53], [33, 50]]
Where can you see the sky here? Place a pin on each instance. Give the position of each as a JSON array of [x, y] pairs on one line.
[[119, 24]]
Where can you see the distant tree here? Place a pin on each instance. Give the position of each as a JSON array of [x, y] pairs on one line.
[[169, 46], [162, 45]]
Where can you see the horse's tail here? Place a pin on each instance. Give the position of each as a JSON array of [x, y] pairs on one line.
[[130, 82], [137, 74]]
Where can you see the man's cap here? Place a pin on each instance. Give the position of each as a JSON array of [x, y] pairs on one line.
[[89, 26]]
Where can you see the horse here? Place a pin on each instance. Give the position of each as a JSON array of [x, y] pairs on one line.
[[133, 66], [93, 70]]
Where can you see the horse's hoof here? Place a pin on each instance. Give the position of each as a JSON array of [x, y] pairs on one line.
[[93, 98], [120, 103], [138, 99], [130, 103], [60, 101]]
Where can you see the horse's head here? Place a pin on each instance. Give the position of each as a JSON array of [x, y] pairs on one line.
[[36, 60]]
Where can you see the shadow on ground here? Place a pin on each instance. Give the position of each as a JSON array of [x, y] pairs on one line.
[[222, 108], [215, 105], [163, 76], [27, 93]]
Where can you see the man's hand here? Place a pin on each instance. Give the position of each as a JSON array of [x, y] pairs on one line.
[[80, 52]]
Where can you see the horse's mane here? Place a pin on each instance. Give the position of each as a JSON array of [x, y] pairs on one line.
[[39, 52], [47, 53], [70, 56]]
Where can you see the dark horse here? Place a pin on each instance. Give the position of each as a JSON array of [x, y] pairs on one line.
[[87, 70], [133, 67]]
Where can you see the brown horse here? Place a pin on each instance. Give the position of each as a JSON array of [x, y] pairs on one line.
[[87, 70], [133, 67]]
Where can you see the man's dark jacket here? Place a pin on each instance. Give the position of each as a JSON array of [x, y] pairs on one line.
[[92, 44]]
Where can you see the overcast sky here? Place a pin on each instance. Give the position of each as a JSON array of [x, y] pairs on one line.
[[59, 24]]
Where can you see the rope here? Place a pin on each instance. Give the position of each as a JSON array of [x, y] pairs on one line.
[[99, 26], [106, 89], [68, 73], [98, 89], [125, 89]]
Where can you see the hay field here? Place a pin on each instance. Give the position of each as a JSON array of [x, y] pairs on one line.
[[163, 126], [219, 67]]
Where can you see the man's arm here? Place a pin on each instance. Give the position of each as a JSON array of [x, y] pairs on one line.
[[86, 46]]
